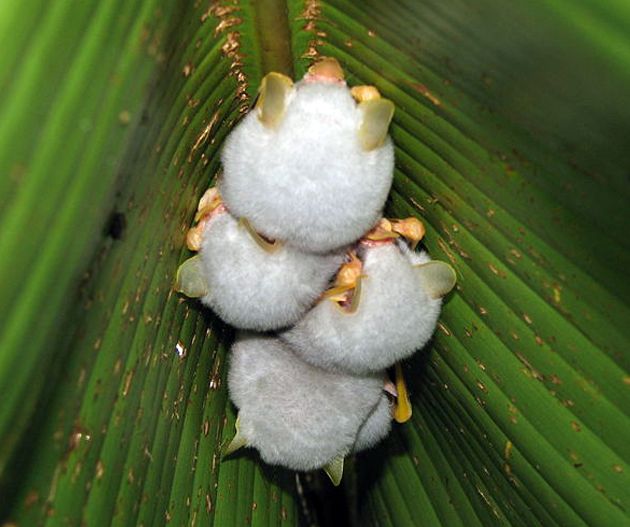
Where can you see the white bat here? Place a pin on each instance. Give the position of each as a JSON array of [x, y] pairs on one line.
[[394, 315], [297, 415], [309, 165], [249, 282]]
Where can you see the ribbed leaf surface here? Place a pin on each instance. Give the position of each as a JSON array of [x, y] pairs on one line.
[[511, 127], [521, 410], [115, 406]]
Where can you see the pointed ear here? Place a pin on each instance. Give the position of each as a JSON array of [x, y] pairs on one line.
[[190, 280], [334, 470], [377, 114], [356, 297], [336, 292], [438, 278], [238, 441], [272, 96], [402, 410], [268, 247]]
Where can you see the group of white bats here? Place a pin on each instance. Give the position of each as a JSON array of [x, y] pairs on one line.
[[294, 252]]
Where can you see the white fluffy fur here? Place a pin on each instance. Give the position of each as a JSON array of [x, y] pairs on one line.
[[307, 182], [394, 318], [295, 414], [377, 426], [253, 289]]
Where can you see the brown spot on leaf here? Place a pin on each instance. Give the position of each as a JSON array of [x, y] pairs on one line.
[[424, 91], [127, 384], [221, 11], [311, 13], [232, 44], [227, 23], [215, 379], [31, 499], [188, 69], [100, 469], [124, 117], [576, 426], [77, 436], [444, 329], [496, 271], [417, 205], [557, 293], [530, 371], [181, 350], [203, 136], [449, 254]]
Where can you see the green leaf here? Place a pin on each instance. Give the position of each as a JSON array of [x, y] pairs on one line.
[[114, 399], [511, 128]]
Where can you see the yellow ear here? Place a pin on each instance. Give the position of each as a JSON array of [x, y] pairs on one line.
[[272, 103], [334, 470], [268, 247], [438, 278], [402, 411], [189, 279], [238, 441], [377, 114], [356, 297]]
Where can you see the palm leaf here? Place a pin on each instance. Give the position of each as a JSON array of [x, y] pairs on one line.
[[510, 127]]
